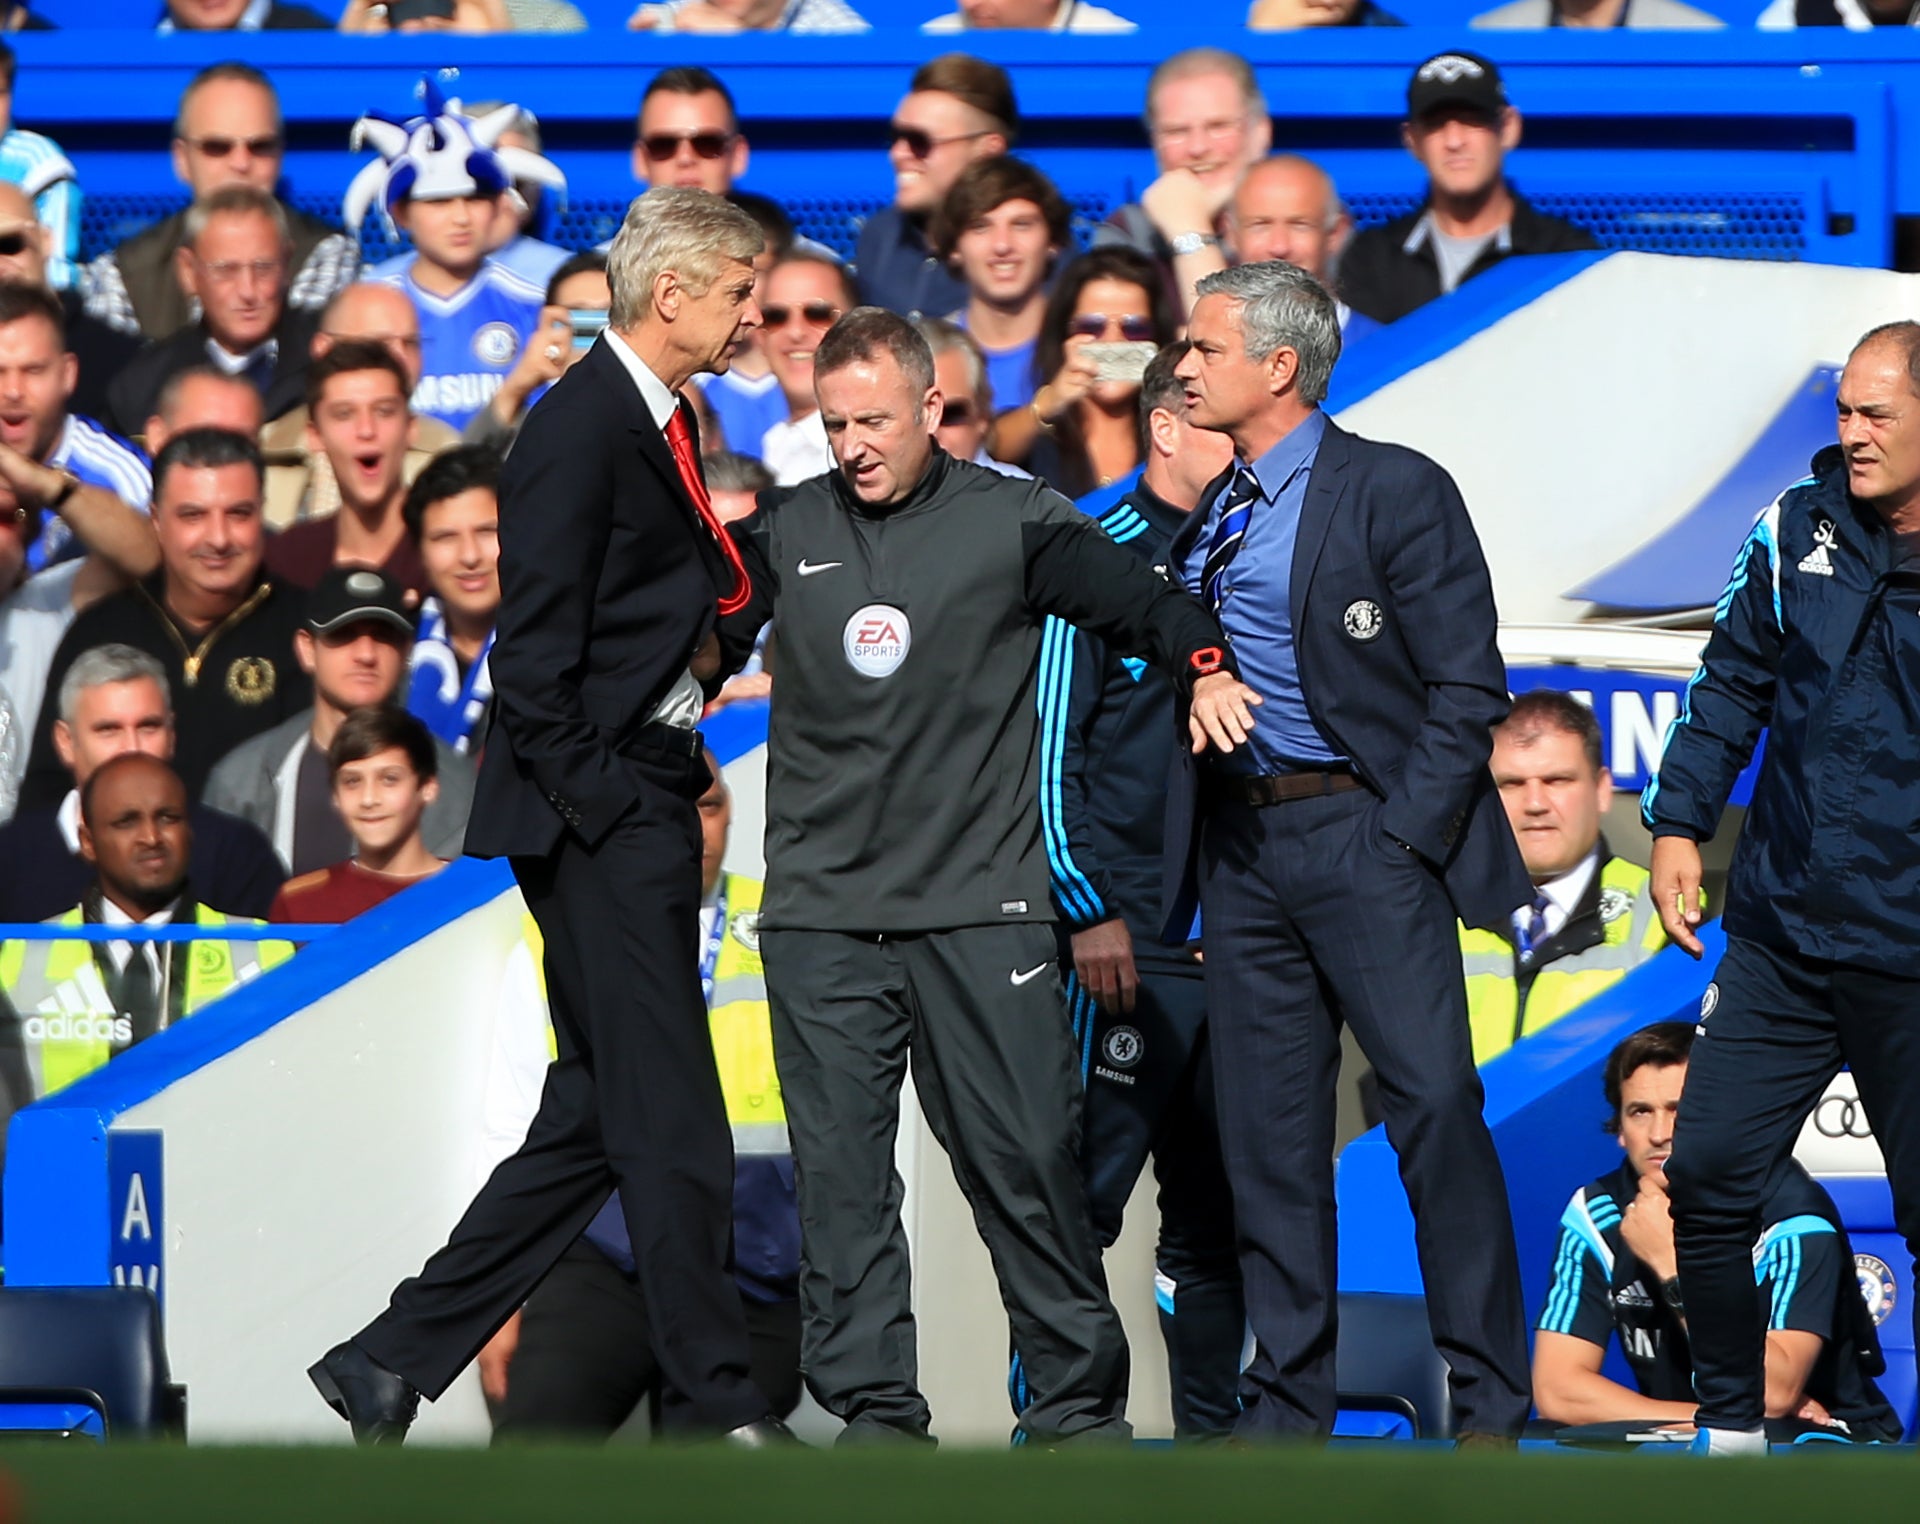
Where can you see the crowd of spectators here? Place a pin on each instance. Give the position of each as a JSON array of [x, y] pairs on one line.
[[231, 446], [248, 486]]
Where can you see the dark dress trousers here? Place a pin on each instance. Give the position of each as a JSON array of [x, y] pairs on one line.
[[609, 583], [1315, 915]]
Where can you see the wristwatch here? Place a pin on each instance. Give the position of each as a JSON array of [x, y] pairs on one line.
[[69, 484], [1191, 243]]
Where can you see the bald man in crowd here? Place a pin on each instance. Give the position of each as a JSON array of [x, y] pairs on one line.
[[204, 397], [301, 485], [1286, 207]]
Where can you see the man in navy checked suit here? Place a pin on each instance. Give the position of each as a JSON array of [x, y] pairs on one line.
[[1333, 851]]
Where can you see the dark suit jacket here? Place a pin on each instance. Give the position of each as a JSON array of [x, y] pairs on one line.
[[103, 352], [1412, 703], [133, 393], [608, 584]]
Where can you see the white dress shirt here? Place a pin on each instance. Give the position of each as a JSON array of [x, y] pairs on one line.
[[797, 452], [684, 701], [1563, 896], [112, 915]]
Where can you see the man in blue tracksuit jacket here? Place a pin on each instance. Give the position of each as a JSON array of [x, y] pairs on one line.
[[1816, 640], [1107, 734]]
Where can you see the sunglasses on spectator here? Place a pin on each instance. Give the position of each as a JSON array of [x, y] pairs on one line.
[[959, 410], [224, 272], [221, 148], [1134, 328], [921, 143], [815, 314], [705, 145]]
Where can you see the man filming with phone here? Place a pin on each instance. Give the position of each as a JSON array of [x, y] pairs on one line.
[[570, 320]]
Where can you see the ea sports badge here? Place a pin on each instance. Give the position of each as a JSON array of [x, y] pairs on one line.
[[1877, 1286], [1614, 903], [876, 640], [746, 929]]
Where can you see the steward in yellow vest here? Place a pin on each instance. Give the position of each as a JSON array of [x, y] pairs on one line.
[[65, 993], [74, 1004], [1613, 930]]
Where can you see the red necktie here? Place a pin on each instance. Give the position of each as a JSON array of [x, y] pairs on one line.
[[680, 441]]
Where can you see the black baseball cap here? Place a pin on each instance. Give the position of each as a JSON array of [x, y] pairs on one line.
[[1456, 79], [348, 594]]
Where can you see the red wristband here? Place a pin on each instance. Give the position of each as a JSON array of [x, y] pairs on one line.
[[1207, 660]]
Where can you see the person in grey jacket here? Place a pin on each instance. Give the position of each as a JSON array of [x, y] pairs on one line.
[[907, 901], [355, 644]]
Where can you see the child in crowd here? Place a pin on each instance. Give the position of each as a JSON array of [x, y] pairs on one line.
[[383, 774], [442, 178]]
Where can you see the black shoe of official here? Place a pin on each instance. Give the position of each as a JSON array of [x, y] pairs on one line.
[[379, 1404], [767, 1433]]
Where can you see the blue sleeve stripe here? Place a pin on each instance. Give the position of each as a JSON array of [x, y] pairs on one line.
[[1765, 534], [1075, 891], [1080, 1013], [1780, 1262], [1569, 1269]]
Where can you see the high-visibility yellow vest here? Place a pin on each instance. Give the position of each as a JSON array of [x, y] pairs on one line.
[[738, 1019], [742, 1028], [70, 1026], [1506, 1001]]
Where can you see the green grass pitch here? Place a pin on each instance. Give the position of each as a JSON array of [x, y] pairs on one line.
[[159, 1485]]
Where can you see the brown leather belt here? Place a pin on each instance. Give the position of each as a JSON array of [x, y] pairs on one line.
[[1279, 788]]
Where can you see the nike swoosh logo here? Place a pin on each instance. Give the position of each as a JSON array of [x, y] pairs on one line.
[[1033, 973], [808, 568]]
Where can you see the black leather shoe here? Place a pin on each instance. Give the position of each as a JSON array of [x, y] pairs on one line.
[[379, 1404], [767, 1433]]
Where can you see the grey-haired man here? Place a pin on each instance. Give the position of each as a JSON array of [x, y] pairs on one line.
[[1334, 850]]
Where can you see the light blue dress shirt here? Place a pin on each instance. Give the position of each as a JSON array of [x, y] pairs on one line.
[[1256, 612]]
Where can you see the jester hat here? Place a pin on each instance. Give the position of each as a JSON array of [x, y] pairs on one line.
[[439, 155]]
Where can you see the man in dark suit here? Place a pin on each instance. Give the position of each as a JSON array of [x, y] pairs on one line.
[[234, 262], [613, 572], [1333, 850]]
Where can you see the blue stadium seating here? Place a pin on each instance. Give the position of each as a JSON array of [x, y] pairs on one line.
[[1740, 145]]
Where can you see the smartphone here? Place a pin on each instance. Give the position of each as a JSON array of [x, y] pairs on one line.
[[1120, 362], [399, 11], [587, 323]]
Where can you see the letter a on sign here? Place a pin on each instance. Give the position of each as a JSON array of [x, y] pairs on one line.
[[136, 1214], [135, 1219]]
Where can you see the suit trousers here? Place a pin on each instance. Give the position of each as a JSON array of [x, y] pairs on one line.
[[586, 1358], [1774, 1030], [634, 1100], [1149, 1093], [979, 1010], [1312, 918]]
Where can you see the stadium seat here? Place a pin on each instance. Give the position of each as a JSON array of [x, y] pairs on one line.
[[1386, 1367], [86, 1361]]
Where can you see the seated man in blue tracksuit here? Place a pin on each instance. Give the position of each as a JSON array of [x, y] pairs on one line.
[[1615, 1274], [1107, 735]]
